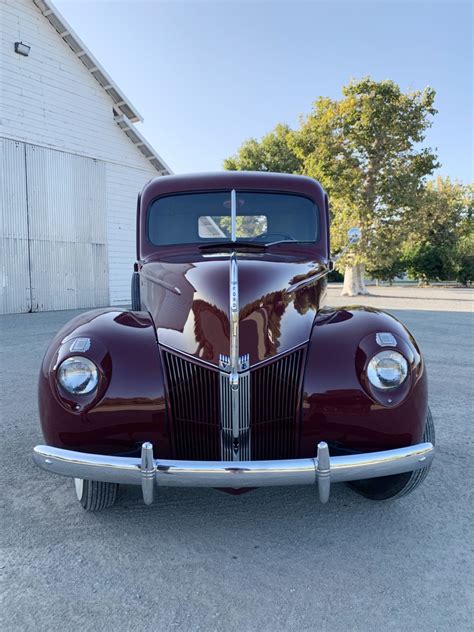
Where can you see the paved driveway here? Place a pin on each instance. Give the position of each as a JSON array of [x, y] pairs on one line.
[[274, 559]]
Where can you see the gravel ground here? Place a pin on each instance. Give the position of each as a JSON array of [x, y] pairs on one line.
[[411, 297], [273, 559]]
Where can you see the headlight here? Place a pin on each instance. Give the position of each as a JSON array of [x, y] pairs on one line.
[[78, 375], [387, 370]]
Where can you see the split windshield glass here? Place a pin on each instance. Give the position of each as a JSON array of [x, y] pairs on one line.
[[205, 219]]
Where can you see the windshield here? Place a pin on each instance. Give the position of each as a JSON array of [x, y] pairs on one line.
[[204, 218]]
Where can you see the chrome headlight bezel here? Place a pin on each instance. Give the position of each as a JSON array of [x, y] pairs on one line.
[[384, 377], [78, 375]]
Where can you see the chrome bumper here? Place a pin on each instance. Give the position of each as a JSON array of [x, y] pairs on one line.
[[147, 471]]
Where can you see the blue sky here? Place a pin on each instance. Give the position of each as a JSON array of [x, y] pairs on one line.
[[207, 75]]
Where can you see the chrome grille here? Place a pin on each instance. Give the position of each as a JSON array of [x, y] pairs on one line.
[[235, 448], [199, 405], [274, 404], [193, 403]]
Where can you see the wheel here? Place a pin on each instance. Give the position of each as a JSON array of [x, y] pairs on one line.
[[136, 299], [390, 487], [95, 495]]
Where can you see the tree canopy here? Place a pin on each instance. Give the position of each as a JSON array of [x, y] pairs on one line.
[[439, 243], [271, 153], [367, 150]]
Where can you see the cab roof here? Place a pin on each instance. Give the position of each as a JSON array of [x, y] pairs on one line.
[[228, 180]]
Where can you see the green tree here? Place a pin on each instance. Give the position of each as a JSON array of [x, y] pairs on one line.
[[440, 233], [365, 149], [426, 262], [464, 257], [464, 260], [271, 153]]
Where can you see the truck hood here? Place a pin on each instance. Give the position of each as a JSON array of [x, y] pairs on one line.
[[190, 303]]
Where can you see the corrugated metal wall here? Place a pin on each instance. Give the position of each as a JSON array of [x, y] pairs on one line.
[[62, 221], [67, 227], [14, 260]]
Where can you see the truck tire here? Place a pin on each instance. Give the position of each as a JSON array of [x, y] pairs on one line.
[[136, 300], [95, 495], [391, 487]]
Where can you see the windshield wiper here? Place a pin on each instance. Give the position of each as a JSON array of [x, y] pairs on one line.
[[246, 244], [282, 241]]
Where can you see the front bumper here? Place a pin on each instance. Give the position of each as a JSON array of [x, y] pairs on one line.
[[148, 472]]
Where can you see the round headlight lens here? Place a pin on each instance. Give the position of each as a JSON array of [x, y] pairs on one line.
[[387, 370], [78, 375]]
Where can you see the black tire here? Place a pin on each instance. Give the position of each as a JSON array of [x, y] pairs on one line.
[[391, 487], [95, 495], [136, 299]]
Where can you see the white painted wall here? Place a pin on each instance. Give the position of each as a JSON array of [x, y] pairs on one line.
[[50, 99], [123, 185]]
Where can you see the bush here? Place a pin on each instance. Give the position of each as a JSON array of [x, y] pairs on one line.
[[464, 260], [465, 270], [426, 262], [335, 277], [387, 272]]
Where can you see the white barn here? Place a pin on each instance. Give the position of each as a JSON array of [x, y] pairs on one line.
[[72, 164]]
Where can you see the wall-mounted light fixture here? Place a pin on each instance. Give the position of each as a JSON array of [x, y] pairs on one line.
[[22, 49]]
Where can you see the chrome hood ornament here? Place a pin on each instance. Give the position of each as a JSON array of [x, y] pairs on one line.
[[235, 376]]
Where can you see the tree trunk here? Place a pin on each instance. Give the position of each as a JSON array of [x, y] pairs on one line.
[[354, 281]]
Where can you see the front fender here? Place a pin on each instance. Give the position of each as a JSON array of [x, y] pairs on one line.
[[339, 405], [129, 406]]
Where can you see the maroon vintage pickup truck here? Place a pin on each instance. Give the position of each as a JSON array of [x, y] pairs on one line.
[[230, 371]]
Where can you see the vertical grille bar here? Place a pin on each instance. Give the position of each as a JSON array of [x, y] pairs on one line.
[[226, 418], [274, 399], [244, 420], [193, 396]]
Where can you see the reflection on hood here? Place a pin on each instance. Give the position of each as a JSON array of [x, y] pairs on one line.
[[189, 304]]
